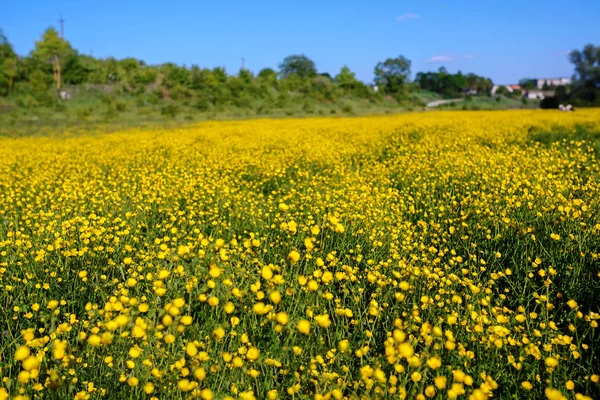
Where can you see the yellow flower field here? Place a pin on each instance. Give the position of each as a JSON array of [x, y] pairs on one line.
[[430, 255]]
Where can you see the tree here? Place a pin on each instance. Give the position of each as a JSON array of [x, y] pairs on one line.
[[527, 83], [267, 74], [8, 63], [452, 85], [54, 50], [587, 66], [267, 77], [10, 69], [586, 82], [392, 74], [346, 79], [297, 65]]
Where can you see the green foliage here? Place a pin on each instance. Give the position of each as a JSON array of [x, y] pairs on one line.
[[170, 110], [175, 75], [587, 66], [267, 78], [452, 85], [202, 103], [527, 83], [392, 74], [346, 79], [52, 50], [298, 65], [8, 65]]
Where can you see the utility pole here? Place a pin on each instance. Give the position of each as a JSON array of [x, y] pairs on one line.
[[243, 63], [62, 27]]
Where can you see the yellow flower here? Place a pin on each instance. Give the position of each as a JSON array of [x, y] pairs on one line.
[[293, 256], [200, 374], [343, 345], [406, 350], [440, 382], [282, 318], [191, 349], [31, 363], [22, 353], [252, 354], [148, 388], [551, 362], [206, 394], [323, 320], [133, 381], [275, 296], [416, 376], [267, 272], [218, 333], [570, 385], [94, 340], [303, 326], [526, 385], [554, 394], [434, 363]]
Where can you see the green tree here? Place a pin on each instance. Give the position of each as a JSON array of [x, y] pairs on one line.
[[346, 79], [267, 76], [587, 66], [527, 83], [392, 74], [586, 85], [298, 65], [8, 64], [10, 68], [54, 50]]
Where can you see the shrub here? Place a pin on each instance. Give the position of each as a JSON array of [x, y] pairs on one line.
[[202, 104], [348, 109], [169, 110], [548, 103]]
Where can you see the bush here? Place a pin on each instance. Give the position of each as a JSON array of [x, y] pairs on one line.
[[202, 104], [549, 103], [308, 107], [153, 99], [27, 101], [85, 112], [120, 106], [348, 109], [169, 110]]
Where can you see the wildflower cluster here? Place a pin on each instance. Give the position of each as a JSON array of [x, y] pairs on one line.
[[434, 255]]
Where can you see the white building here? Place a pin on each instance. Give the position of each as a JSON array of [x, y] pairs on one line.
[[540, 83], [534, 95]]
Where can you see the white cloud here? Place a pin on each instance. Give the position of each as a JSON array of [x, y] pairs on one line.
[[407, 16], [440, 59], [469, 56]]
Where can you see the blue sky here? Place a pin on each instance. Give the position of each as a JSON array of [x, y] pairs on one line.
[[505, 40]]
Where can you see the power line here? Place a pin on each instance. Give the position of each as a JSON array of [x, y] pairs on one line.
[[62, 27]]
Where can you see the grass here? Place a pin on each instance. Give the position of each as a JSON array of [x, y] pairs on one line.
[[93, 108], [558, 136]]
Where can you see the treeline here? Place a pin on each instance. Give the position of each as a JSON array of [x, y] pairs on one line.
[[453, 85], [54, 64]]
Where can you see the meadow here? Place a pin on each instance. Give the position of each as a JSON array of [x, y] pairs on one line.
[[429, 255]]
